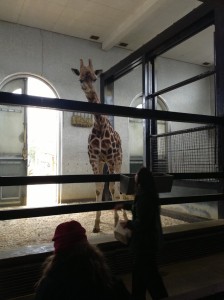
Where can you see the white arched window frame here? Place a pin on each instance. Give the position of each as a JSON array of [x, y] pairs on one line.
[[30, 84], [136, 131]]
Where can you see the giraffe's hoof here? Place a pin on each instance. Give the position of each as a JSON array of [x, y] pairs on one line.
[[96, 230]]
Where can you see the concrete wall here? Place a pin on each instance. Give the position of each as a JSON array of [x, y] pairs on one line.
[[52, 56]]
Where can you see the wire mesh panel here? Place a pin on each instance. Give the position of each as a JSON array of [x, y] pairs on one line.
[[185, 151]]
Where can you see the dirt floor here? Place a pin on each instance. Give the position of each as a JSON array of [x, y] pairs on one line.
[[34, 231]]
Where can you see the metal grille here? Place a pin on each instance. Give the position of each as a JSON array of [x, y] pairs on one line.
[[185, 151]]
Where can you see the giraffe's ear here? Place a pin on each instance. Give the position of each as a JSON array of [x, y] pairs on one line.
[[75, 71], [98, 72]]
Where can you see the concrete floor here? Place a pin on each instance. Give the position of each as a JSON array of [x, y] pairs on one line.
[[203, 275], [200, 278], [193, 279]]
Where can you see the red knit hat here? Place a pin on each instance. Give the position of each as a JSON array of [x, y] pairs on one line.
[[67, 234]]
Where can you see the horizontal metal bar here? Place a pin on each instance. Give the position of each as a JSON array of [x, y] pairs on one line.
[[182, 83], [178, 132], [106, 109], [57, 179], [55, 210], [21, 213], [31, 180], [198, 175], [192, 199]]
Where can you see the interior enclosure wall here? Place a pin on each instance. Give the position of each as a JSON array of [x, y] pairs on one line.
[[52, 56]]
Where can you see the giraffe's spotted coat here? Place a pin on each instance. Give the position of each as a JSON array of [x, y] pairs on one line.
[[104, 143]]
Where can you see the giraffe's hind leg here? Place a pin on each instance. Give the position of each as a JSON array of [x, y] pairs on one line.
[[118, 195], [99, 194], [96, 227], [98, 169], [115, 193]]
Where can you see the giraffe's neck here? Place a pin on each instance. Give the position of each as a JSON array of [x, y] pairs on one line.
[[100, 122], [92, 97]]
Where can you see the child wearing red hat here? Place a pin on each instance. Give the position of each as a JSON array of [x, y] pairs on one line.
[[77, 269], [67, 235]]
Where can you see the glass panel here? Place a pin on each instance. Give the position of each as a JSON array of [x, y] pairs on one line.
[[128, 92], [12, 131], [127, 87], [13, 145], [39, 231], [186, 60], [170, 69], [191, 211], [15, 86], [36, 232], [194, 98], [12, 120]]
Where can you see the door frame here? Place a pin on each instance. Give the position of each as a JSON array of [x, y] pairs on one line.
[[24, 76]]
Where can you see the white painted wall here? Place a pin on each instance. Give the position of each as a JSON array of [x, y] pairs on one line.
[[52, 56]]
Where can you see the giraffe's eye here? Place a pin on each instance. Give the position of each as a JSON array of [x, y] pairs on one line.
[[81, 80]]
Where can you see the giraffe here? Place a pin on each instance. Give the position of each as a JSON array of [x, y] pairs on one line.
[[104, 143]]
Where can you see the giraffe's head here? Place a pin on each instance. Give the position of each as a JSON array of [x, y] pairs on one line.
[[87, 76]]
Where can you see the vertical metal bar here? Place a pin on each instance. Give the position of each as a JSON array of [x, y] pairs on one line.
[[147, 122], [154, 147], [107, 97], [102, 88], [219, 62]]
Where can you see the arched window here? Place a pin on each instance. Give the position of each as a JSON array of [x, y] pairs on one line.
[[30, 141], [136, 132]]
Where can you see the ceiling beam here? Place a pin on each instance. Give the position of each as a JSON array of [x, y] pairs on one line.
[[130, 23], [213, 2], [192, 23]]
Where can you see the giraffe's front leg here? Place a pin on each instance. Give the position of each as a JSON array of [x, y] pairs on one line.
[[115, 196], [115, 192], [125, 216], [99, 194], [96, 227]]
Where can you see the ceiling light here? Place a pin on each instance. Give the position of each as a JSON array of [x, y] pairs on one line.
[[94, 37], [123, 44]]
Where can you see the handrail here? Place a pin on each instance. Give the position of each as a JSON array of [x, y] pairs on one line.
[[181, 84], [57, 179], [107, 109], [21, 213]]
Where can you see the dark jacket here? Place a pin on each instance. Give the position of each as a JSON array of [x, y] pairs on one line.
[[63, 289], [145, 223]]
